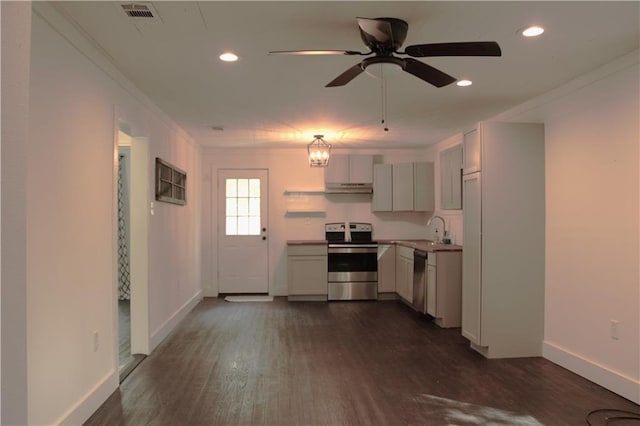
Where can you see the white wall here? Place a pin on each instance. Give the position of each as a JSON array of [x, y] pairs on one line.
[[16, 34], [76, 101], [289, 169], [592, 230], [592, 223]]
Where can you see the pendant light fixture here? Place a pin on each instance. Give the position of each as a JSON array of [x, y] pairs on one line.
[[319, 152]]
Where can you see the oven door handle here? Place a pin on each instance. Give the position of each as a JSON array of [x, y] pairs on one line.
[[346, 248]]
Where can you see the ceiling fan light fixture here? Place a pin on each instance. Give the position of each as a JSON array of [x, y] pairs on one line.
[[464, 83], [383, 70], [532, 31], [319, 152], [228, 57], [382, 66], [383, 37]]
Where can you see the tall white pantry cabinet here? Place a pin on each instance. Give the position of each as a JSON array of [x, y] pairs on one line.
[[503, 232]]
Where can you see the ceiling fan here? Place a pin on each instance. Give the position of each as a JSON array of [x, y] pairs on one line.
[[384, 36]]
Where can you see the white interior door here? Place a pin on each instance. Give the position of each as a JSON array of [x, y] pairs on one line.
[[243, 255]]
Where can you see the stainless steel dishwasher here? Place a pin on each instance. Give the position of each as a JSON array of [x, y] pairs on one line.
[[420, 281]]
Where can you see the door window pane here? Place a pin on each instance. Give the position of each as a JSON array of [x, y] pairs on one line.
[[232, 207], [254, 225], [232, 226], [254, 207], [232, 185], [242, 206], [243, 187], [243, 225], [254, 188]]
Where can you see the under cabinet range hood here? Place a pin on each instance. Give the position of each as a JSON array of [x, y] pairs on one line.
[[349, 174], [348, 188]]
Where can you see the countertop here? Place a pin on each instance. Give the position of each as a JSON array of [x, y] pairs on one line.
[[424, 245], [306, 242]]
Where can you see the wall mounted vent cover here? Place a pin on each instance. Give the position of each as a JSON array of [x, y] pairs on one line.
[[140, 12]]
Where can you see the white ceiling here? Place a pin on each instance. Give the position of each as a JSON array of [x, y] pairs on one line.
[[267, 100]]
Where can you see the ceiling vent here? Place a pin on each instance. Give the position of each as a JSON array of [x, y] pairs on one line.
[[140, 12]]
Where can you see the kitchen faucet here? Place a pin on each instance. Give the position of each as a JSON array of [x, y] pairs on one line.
[[443, 226]]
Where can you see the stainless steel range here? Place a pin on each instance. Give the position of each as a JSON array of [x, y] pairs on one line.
[[352, 262]]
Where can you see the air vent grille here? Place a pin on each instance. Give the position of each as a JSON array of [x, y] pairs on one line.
[[139, 10]]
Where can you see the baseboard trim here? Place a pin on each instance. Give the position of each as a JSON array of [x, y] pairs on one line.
[[91, 401], [209, 292], [388, 296], [167, 327], [617, 382]]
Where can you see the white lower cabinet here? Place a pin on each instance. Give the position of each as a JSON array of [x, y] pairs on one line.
[[444, 287], [307, 271], [386, 269], [432, 307], [404, 273]]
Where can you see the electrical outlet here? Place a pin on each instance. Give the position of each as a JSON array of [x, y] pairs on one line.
[[96, 340], [614, 326]]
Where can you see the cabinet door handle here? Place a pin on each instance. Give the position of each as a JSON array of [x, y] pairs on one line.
[[264, 238]]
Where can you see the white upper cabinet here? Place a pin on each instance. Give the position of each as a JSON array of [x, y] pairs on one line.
[[350, 168], [423, 187], [338, 169], [360, 168], [472, 161], [451, 178], [382, 200], [413, 187], [403, 187]]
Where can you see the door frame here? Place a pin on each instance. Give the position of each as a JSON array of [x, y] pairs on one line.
[[139, 239]]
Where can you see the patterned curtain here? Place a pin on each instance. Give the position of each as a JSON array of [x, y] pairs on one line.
[[124, 279]]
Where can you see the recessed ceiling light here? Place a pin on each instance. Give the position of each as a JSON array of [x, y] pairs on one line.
[[229, 57], [464, 83], [532, 31]]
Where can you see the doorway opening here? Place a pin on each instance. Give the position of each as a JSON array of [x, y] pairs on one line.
[[131, 252]]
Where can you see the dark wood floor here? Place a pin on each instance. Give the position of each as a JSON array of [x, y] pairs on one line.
[[369, 363]]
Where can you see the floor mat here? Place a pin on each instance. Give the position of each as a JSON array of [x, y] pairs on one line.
[[249, 298]]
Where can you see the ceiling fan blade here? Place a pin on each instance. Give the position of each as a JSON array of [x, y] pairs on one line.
[[378, 30], [427, 73], [346, 76], [315, 52], [467, 48]]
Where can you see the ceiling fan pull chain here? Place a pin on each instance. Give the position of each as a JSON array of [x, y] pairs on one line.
[[383, 102]]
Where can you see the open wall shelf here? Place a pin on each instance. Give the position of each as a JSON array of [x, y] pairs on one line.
[[303, 191], [304, 202]]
